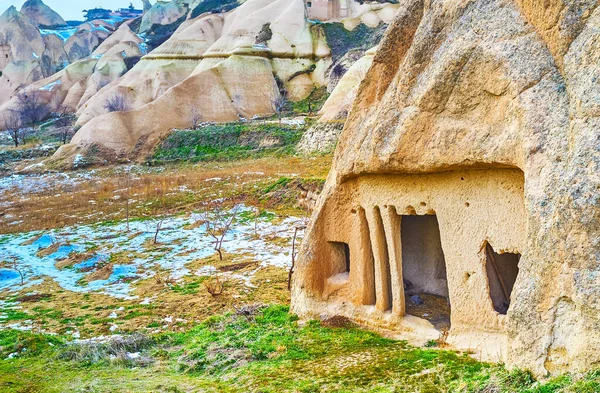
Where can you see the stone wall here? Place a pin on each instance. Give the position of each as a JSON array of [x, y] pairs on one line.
[[473, 208]]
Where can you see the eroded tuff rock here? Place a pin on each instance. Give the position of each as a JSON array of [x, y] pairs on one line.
[[27, 56], [70, 88], [225, 77], [468, 171], [87, 38], [342, 97], [223, 66], [41, 14], [164, 13], [160, 70]]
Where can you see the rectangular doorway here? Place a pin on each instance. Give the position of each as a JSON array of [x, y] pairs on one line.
[[424, 270]]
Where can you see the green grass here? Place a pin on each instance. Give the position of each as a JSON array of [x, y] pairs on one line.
[[227, 142], [257, 350]]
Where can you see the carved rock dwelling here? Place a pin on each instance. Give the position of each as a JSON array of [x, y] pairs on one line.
[[5, 56], [463, 202]]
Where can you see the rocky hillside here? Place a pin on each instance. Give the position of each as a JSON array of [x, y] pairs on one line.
[[218, 61]]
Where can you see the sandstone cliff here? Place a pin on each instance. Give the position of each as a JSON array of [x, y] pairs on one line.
[[482, 113]]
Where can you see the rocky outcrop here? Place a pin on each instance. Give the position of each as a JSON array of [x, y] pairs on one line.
[[87, 38], [320, 138], [342, 97], [472, 150], [164, 13], [28, 56], [160, 70], [41, 14], [231, 76], [72, 87]]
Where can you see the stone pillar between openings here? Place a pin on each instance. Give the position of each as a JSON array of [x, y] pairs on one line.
[[383, 290], [362, 271], [392, 223]]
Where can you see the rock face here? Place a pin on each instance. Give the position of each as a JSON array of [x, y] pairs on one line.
[[72, 87], [41, 14], [28, 56], [87, 38], [234, 61], [467, 173], [164, 13], [162, 69], [342, 97]]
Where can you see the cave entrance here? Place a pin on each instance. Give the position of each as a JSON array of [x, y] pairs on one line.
[[340, 257], [424, 270], [502, 271]]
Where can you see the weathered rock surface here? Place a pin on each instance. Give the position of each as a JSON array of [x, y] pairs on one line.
[[160, 70], [320, 138], [485, 114], [87, 38], [342, 97], [28, 56], [41, 14], [72, 87], [229, 75], [164, 13]]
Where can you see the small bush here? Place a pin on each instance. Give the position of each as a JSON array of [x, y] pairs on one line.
[[123, 350]]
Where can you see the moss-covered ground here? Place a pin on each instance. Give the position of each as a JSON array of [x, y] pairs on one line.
[[255, 349]]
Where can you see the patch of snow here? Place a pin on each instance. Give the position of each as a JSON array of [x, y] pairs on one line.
[[49, 87]]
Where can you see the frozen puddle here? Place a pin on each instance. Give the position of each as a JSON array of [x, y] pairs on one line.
[[108, 258]]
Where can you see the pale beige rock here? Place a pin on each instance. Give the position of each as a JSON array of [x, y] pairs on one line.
[[239, 75], [484, 113], [41, 14], [164, 13], [340, 101], [72, 87], [26, 57], [162, 69]]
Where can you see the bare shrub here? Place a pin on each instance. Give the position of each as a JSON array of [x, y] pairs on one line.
[[249, 310], [195, 118], [122, 350], [116, 103], [13, 127], [64, 123], [168, 280], [31, 108], [218, 222], [214, 285], [13, 265], [279, 102]]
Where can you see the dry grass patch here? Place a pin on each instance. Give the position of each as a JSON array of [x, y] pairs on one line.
[[173, 190]]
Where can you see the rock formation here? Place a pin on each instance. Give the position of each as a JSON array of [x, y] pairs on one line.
[[466, 183], [41, 14], [351, 12], [72, 87], [340, 101], [234, 75], [164, 13], [162, 69], [28, 56], [87, 38]]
